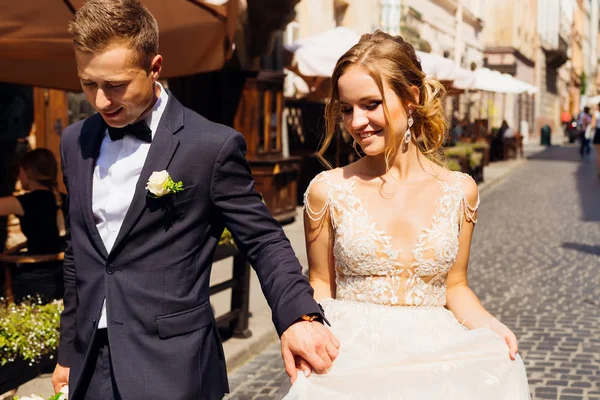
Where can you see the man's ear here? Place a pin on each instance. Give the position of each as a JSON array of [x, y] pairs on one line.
[[156, 66]]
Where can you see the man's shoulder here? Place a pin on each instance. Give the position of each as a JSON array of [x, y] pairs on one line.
[[195, 121], [73, 131], [201, 128]]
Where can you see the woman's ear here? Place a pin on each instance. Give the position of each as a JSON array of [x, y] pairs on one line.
[[416, 93]]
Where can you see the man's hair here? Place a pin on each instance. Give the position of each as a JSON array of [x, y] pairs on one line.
[[99, 23]]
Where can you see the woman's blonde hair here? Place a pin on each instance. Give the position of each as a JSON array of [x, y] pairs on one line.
[[390, 60]]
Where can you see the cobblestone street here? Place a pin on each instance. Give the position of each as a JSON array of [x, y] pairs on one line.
[[535, 264]]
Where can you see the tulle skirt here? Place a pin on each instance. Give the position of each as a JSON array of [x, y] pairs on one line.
[[411, 353]]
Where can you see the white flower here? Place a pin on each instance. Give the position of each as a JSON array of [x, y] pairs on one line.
[[156, 183], [32, 397]]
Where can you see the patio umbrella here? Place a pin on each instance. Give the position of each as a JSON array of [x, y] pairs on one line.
[[445, 69], [314, 58], [36, 49], [494, 81]]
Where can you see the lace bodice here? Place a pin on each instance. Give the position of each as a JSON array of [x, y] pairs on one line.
[[368, 266]]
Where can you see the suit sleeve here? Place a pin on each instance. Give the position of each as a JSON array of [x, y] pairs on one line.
[[67, 318], [259, 236]]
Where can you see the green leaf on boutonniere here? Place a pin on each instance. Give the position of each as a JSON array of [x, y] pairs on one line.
[[172, 186]]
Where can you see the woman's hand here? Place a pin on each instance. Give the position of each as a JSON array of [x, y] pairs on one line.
[[507, 335]]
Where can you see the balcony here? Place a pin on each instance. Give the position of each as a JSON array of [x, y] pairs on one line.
[[556, 57]]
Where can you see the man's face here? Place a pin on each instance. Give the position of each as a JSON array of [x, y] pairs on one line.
[[115, 83]]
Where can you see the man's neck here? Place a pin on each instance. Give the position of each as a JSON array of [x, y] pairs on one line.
[[157, 89]]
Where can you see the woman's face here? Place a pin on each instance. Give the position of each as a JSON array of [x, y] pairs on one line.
[[362, 110], [24, 179]]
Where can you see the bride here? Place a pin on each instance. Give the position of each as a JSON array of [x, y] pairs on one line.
[[388, 240]]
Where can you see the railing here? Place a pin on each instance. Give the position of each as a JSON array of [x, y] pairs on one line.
[[233, 323]]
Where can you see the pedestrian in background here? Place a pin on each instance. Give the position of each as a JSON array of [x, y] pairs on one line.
[[585, 121], [596, 141], [41, 216]]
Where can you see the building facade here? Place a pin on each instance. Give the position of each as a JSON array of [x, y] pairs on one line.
[[511, 41], [451, 27], [554, 24]]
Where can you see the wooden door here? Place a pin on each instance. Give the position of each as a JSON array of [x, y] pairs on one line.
[[50, 118]]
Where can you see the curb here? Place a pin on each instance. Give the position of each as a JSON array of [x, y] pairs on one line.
[[490, 183], [239, 351]]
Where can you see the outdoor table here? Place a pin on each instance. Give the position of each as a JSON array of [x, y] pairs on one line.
[[12, 257]]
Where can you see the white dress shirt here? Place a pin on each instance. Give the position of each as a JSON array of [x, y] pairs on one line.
[[116, 174]]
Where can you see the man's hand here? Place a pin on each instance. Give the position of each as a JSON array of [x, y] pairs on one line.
[[311, 344], [60, 377]]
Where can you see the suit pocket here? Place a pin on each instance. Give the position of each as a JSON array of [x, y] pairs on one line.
[[187, 194], [183, 322]]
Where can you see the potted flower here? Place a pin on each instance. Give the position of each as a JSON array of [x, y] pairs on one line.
[[29, 334]]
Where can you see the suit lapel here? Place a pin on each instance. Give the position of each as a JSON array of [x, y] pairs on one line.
[[163, 147], [90, 141]]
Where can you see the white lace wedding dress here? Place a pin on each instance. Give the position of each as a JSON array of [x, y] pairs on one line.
[[397, 339]]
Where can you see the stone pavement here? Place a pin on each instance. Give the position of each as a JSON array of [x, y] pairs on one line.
[[535, 264]]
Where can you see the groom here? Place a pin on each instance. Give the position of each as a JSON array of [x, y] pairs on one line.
[[137, 322]]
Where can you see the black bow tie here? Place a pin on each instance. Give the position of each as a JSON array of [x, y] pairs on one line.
[[140, 130]]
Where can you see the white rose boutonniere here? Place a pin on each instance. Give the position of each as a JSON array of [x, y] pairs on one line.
[[160, 183]]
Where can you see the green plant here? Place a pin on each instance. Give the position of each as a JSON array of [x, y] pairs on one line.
[[475, 160], [480, 145], [453, 165], [29, 330], [226, 238], [57, 396], [457, 151]]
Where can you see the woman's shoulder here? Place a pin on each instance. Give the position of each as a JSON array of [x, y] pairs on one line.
[[468, 188], [320, 184]]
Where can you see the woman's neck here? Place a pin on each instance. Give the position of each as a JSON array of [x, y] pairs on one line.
[[34, 185], [408, 166]]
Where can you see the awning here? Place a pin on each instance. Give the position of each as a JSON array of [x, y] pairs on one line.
[[36, 49], [493, 81], [317, 55], [444, 69]]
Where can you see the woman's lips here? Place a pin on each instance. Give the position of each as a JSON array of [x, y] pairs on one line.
[[366, 135]]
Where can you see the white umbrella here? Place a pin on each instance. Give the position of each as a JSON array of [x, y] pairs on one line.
[[444, 69], [318, 54], [592, 101], [494, 81]]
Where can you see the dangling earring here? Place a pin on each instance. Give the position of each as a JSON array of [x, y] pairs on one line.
[[408, 133]]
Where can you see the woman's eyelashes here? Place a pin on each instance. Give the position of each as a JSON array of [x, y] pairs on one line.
[[369, 107]]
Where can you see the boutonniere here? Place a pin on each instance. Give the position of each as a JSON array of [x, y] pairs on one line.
[[160, 183]]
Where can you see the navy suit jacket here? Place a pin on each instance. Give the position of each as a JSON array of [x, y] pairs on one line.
[[162, 334]]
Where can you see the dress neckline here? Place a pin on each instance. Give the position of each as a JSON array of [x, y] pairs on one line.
[[386, 237]]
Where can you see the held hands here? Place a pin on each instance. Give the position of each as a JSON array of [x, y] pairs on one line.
[[60, 377], [308, 345], [507, 335]]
